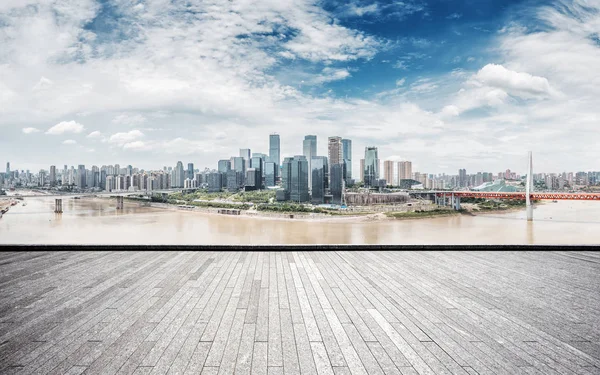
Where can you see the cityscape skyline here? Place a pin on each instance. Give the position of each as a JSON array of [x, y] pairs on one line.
[[467, 86]]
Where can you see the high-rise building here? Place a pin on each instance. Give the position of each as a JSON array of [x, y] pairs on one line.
[[275, 150], [7, 169], [319, 179], [81, 175], [404, 171], [179, 176], [215, 182], [190, 171], [337, 183], [52, 175], [235, 180], [362, 170], [388, 171], [309, 149], [462, 178], [294, 178], [253, 179], [240, 166], [347, 156], [245, 153], [371, 166], [334, 153], [224, 166], [42, 178], [270, 174], [257, 162]]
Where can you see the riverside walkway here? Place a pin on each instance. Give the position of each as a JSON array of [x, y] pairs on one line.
[[330, 313]]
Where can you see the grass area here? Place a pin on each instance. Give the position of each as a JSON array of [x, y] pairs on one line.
[[258, 196], [420, 214]]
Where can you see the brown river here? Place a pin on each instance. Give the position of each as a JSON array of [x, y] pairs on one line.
[[96, 221]]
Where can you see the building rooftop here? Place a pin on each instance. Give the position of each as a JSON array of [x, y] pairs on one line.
[[300, 312]]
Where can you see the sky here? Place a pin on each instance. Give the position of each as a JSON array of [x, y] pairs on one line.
[[447, 84]]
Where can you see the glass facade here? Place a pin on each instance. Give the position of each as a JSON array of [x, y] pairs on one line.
[[294, 178], [274, 149], [215, 181], [319, 174], [347, 156], [337, 183], [371, 173], [270, 174], [257, 163], [309, 149]]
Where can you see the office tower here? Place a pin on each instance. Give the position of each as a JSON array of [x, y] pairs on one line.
[[462, 178], [347, 156], [388, 171], [253, 179], [239, 166], [117, 169], [334, 153], [264, 158], [245, 153], [309, 149], [257, 163], [179, 176], [224, 166], [103, 176], [371, 166], [404, 171], [362, 170], [215, 182], [275, 150], [337, 183], [319, 172], [129, 170], [41, 178], [235, 180], [190, 171], [294, 179], [52, 179], [270, 174], [81, 175], [7, 169]]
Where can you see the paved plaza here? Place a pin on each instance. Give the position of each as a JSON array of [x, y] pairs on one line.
[[335, 312]]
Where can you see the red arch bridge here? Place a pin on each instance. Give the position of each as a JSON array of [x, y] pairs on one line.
[[452, 198]]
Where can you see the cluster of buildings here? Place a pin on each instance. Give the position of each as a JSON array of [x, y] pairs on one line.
[[302, 178]]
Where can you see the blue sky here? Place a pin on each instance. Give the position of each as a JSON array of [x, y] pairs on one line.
[[446, 84]]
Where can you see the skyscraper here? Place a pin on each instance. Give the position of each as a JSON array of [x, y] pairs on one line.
[[190, 171], [319, 179], [257, 163], [337, 183], [362, 170], [294, 178], [245, 153], [7, 169], [275, 150], [404, 170], [179, 174], [240, 166], [270, 174], [388, 171], [81, 175], [371, 166], [52, 175], [334, 153], [309, 149], [462, 178], [347, 156]]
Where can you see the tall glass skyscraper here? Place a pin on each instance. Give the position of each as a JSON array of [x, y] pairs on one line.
[[337, 183], [274, 149], [371, 166], [319, 178], [270, 174], [294, 178], [347, 156], [190, 171], [309, 149], [179, 176]]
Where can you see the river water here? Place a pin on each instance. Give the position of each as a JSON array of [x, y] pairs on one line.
[[96, 221]]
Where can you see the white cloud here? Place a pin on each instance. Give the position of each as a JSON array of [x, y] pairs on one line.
[[400, 82], [517, 83], [69, 142], [30, 130], [126, 137], [95, 134], [136, 145], [66, 127]]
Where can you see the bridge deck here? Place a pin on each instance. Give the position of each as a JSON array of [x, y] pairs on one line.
[[292, 313]]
